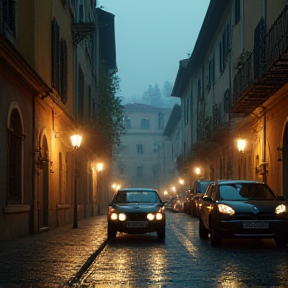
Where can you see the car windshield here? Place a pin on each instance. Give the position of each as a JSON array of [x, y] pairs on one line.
[[246, 191], [202, 186], [137, 197]]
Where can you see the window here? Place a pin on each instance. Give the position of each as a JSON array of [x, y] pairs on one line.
[[155, 170], [211, 71], [139, 171], [128, 122], [186, 110], [237, 11], [139, 148], [15, 138], [224, 46], [9, 16], [81, 82], [145, 123], [59, 63], [155, 147]]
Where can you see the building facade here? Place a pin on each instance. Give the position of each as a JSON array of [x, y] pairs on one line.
[[138, 162], [233, 87], [49, 59]]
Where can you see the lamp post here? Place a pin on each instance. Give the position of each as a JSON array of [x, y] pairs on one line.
[[99, 167], [76, 142], [241, 143]]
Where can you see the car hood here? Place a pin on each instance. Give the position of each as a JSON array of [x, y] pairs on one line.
[[136, 207], [253, 207]]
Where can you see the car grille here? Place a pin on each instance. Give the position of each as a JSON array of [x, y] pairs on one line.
[[137, 217]]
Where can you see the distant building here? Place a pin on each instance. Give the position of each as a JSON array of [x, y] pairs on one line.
[[138, 162]]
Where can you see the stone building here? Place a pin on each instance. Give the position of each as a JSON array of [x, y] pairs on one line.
[[234, 87], [138, 162], [49, 64]]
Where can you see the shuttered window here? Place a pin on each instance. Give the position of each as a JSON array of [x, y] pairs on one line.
[[59, 63], [14, 159]]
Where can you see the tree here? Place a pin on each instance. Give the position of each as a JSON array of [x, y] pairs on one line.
[[109, 114]]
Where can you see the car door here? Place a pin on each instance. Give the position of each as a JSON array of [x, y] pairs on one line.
[[206, 205]]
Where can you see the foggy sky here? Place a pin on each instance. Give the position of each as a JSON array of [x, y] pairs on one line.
[[152, 36]]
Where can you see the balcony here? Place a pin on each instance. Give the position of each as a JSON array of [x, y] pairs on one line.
[[265, 71]]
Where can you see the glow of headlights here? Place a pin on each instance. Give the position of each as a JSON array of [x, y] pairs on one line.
[[114, 216], [122, 217], [150, 216], [159, 216], [280, 209], [225, 209]]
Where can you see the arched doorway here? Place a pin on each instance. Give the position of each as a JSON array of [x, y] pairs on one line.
[[43, 187], [285, 162]]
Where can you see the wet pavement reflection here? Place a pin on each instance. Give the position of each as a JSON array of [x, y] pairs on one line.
[[186, 261]]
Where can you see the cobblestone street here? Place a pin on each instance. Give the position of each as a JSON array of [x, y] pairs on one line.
[[52, 258], [67, 257]]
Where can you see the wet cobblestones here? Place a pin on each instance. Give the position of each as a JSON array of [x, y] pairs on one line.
[[59, 258], [52, 258], [186, 261]]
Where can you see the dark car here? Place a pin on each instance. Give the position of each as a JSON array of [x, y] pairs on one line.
[[187, 201], [177, 204], [200, 187], [242, 209], [136, 211]]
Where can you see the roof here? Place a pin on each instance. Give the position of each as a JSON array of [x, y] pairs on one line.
[[208, 29], [137, 107]]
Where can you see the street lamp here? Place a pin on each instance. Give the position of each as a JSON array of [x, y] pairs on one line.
[[99, 167], [241, 145], [241, 148], [197, 170], [76, 142]]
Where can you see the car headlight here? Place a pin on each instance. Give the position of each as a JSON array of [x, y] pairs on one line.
[[225, 209], [114, 216], [122, 217], [150, 216], [159, 216], [280, 209]]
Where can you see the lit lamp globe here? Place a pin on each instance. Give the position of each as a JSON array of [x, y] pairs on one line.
[[76, 141], [241, 145], [99, 167]]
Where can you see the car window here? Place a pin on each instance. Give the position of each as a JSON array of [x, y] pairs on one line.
[[242, 192], [137, 197], [201, 187]]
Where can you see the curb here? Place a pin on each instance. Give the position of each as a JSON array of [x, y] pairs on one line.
[[86, 265]]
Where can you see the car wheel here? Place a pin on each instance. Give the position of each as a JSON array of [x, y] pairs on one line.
[[215, 238], [203, 232], [161, 234], [281, 242], [111, 232]]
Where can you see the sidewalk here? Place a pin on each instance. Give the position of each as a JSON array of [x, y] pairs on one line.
[[53, 258]]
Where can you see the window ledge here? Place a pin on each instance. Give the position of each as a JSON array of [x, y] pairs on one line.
[[16, 208]]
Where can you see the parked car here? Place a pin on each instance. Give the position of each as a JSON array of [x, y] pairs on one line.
[[187, 201], [136, 211], [242, 209], [198, 191], [177, 204]]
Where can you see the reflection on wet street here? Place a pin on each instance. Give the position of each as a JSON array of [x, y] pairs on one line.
[[186, 261]]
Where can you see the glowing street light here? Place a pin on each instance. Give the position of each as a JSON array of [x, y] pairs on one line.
[[197, 170], [76, 142], [241, 145]]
